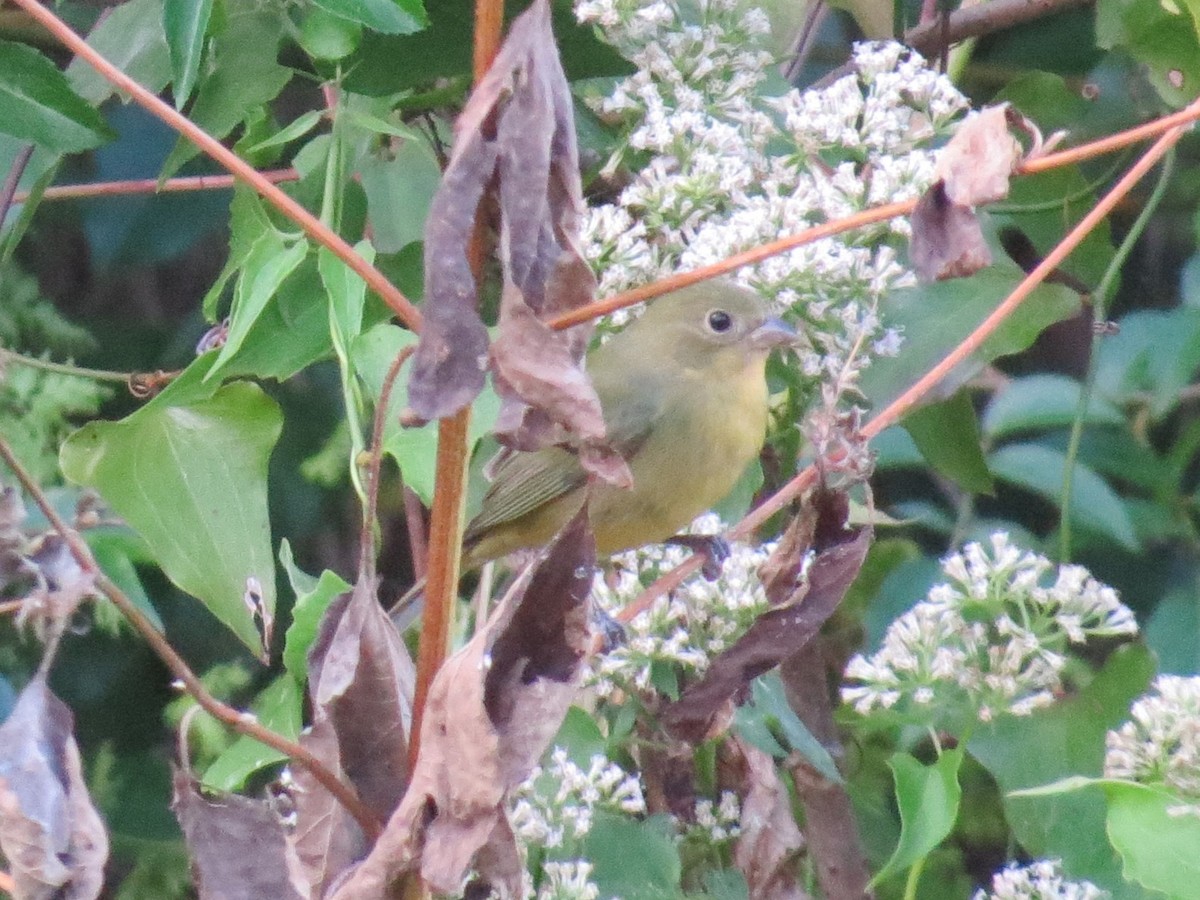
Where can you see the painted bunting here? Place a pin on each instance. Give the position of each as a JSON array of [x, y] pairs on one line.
[[684, 395]]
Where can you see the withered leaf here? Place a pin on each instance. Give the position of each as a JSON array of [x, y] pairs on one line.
[[947, 241], [237, 845], [361, 678], [360, 683], [780, 631], [975, 165], [50, 833], [769, 837], [492, 709]]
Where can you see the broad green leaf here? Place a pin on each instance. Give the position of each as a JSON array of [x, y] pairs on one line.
[[928, 799], [38, 105], [768, 718], [242, 75], [188, 473], [1160, 850], [414, 449], [399, 190], [130, 37], [111, 547], [726, 884], [185, 23], [384, 16], [1156, 354], [269, 262], [1094, 505], [278, 708], [634, 860], [324, 36], [313, 596], [580, 735], [1040, 402], [1173, 632], [301, 126], [1061, 741], [947, 434], [248, 221], [937, 317]]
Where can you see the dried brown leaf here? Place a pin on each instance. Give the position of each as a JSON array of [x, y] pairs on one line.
[[976, 164], [947, 241], [769, 838], [238, 846], [492, 709], [782, 630], [51, 835]]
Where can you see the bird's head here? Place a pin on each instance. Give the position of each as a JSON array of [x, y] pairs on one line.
[[712, 324]]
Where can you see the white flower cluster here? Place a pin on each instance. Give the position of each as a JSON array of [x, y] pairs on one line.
[[555, 806], [718, 822], [568, 880], [994, 640], [686, 628], [1160, 745], [720, 168], [1040, 880]]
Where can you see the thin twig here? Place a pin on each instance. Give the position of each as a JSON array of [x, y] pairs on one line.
[[229, 160], [241, 722], [976, 21], [152, 185], [9, 189], [12, 356], [899, 407], [366, 550]]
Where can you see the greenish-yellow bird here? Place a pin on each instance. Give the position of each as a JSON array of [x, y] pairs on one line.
[[684, 395]]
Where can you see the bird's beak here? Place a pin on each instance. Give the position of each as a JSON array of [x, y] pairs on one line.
[[773, 333]]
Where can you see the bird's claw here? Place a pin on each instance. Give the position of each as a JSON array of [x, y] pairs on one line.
[[713, 547], [612, 633]]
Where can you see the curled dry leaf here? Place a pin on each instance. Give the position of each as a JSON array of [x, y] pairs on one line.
[[492, 709], [975, 165], [795, 618], [238, 846], [361, 685], [50, 833], [769, 838], [947, 241]]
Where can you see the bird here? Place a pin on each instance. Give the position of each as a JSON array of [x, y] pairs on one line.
[[684, 397]]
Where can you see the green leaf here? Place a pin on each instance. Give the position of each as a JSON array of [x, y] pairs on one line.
[[189, 474], [298, 128], [1173, 632], [1062, 741], [38, 105], [414, 449], [313, 596], [768, 717], [936, 317], [635, 860], [130, 37], [278, 708], [1155, 353], [928, 799], [269, 262], [947, 434], [248, 221], [347, 291], [328, 37], [1040, 402], [111, 548], [185, 23], [1094, 505], [399, 190], [1160, 851], [384, 16], [242, 76]]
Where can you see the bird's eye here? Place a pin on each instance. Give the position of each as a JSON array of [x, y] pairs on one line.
[[720, 321]]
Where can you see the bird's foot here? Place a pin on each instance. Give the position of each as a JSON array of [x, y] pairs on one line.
[[612, 633], [713, 547]]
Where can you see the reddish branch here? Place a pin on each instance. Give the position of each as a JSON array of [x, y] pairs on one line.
[[241, 722], [152, 186], [974, 21]]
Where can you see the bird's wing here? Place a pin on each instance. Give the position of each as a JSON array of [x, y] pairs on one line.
[[524, 481]]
